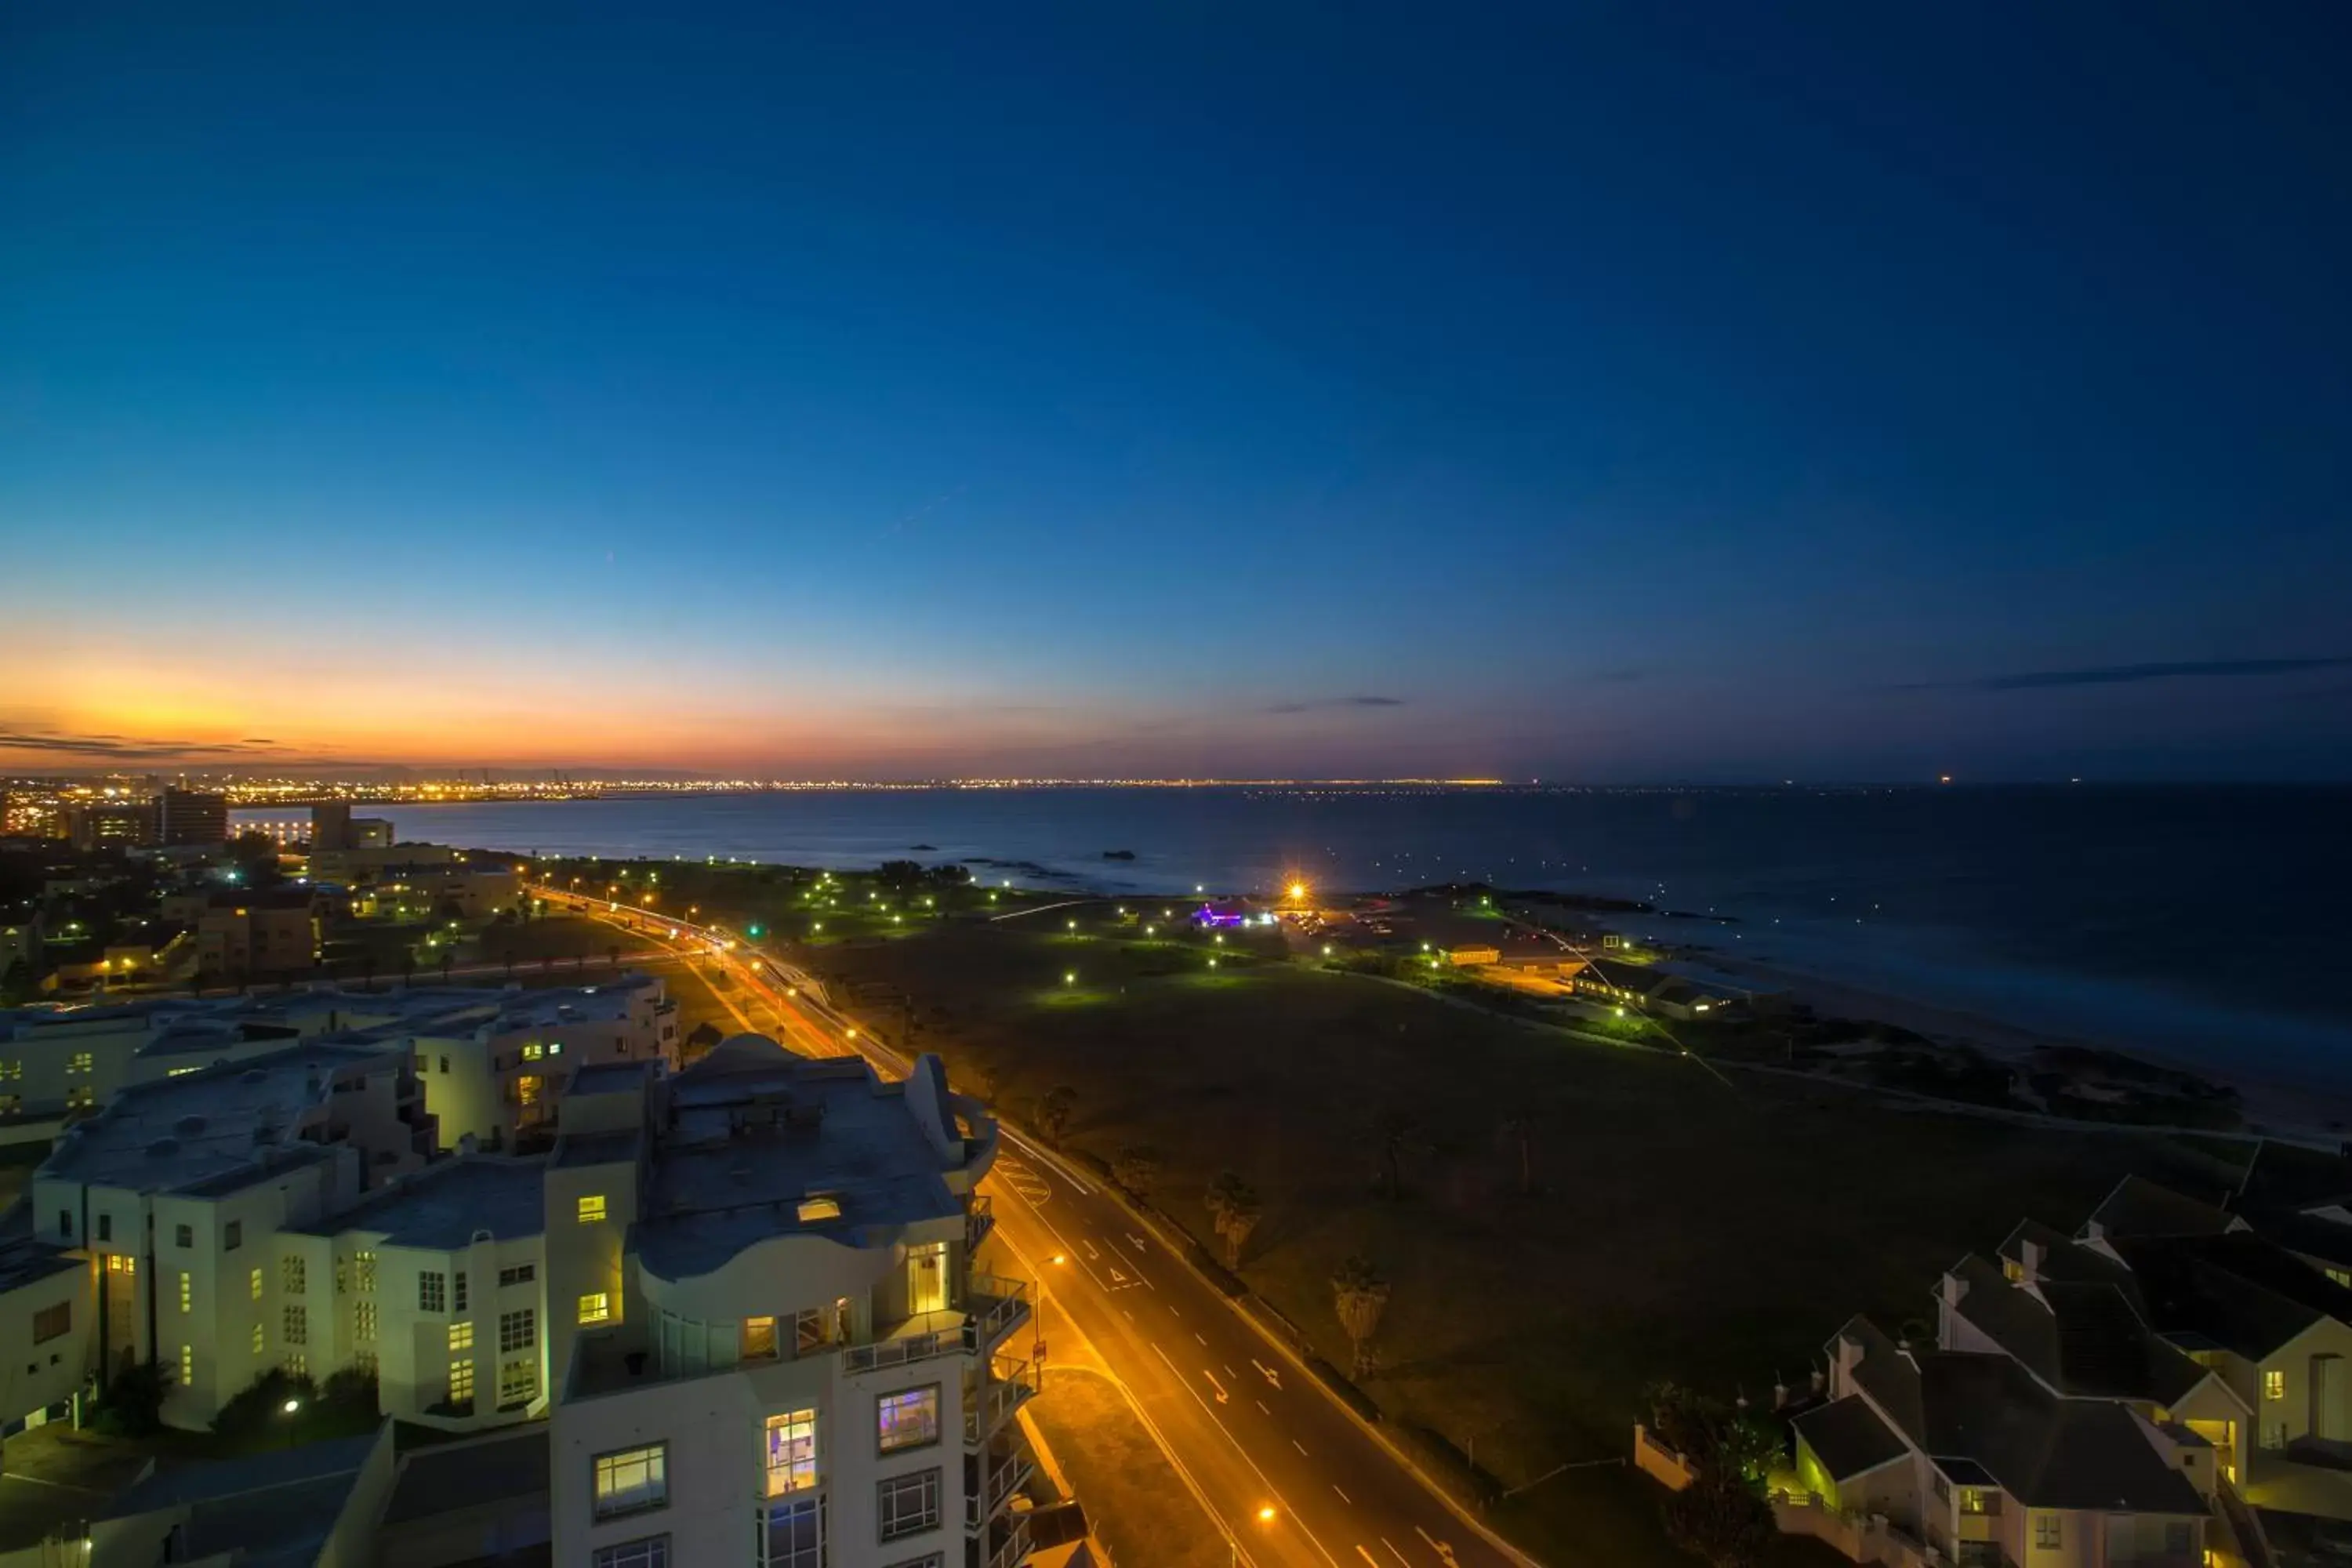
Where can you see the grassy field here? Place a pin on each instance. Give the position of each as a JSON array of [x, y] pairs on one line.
[[1679, 1225]]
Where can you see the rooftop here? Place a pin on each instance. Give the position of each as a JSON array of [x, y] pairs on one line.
[[2140, 1207], [753, 1128], [205, 1125], [506, 1468], [446, 1205], [2079, 1337], [271, 1509], [1848, 1438]]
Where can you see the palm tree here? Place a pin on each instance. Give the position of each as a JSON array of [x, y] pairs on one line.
[[448, 957], [1054, 1110], [1235, 1205], [1359, 1294], [1135, 1167], [1519, 1131], [1397, 1130], [510, 958]]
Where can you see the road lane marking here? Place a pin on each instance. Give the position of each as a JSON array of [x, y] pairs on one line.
[[1175, 1309], [1443, 1549], [1359, 1546], [1087, 1241], [1300, 1447], [1271, 1490], [1201, 1337], [1261, 1404], [1232, 1373], [1351, 1502], [1128, 1315], [1222, 1395], [1394, 1553], [1267, 1371]]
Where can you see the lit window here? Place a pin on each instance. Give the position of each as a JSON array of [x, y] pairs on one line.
[[1972, 1499], [595, 1307], [81, 1062], [532, 1051], [2049, 1533], [461, 1336], [256, 1282], [653, 1551], [292, 1275], [187, 1291], [187, 1365], [296, 1328], [2273, 1385], [258, 1339], [518, 1382], [908, 1505], [461, 1381], [2341, 1276], [758, 1339], [518, 1331], [632, 1480], [363, 1272], [908, 1419], [591, 1208], [364, 1319], [791, 1452], [432, 1291]]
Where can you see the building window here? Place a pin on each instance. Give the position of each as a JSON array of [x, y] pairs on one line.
[[444, 1064], [2273, 1385], [632, 1480], [363, 1272], [595, 1307], [121, 1263], [258, 1339], [758, 1339], [460, 1284], [2048, 1532], [343, 1277], [518, 1382], [2341, 1276], [432, 1291], [296, 1329], [52, 1322], [653, 1551], [1940, 1487], [532, 1051], [80, 1063], [791, 1452], [461, 1336], [520, 1274], [106, 1227], [908, 1419], [929, 1560], [298, 1365], [183, 1235], [293, 1276], [233, 1235], [1972, 1499], [591, 1208], [461, 1381], [2274, 1434], [792, 1535], [187, 1365], [518, 1331], [256, 1283], [908, 1505], [65, 1224], [364, 1319]]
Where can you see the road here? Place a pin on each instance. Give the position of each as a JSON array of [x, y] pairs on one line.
[[1289, 1477]]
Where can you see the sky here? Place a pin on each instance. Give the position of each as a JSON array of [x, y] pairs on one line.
[[1604, 392]]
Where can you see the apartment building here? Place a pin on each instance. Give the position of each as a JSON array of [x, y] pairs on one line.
[[766, 1323], [172, 1199], [273, 932]]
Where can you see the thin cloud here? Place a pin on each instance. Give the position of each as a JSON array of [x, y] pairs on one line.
[[2126, 674], [1322, 704], [127, 748]]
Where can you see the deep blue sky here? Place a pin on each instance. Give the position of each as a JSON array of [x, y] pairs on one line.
[[1610, 392]]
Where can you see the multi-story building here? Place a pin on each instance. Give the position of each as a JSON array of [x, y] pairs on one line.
[[274, 932], [112, 824], [191, 817], [766, 1324], [176, 1195]]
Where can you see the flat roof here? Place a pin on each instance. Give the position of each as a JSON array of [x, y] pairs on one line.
[[505, 1468], [447, 1203], [205, 1125], [754, 1129]]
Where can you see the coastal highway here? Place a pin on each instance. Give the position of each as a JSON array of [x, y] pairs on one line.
[[1284, 1474]]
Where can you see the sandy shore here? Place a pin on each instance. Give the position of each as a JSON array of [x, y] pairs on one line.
[[2291, 1110]]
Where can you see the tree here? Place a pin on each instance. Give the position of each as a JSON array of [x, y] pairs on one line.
[[1518, 1133], [132, 1402], [705, 1036], [1721, 1520], [1135, 1167], [18, 986], [1360, 1295], [1235, 1204], [1054, 1110], [1396, 1132]]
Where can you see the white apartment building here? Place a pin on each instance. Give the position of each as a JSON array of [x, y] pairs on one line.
[[766, 1325], [168, 1206]]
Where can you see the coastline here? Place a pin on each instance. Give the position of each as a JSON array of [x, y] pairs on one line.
[[2265, 1105]]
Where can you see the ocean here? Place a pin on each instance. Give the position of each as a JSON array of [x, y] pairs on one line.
[[2207, 924]]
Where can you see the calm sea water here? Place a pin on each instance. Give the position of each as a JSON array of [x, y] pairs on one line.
[[2206, 923]]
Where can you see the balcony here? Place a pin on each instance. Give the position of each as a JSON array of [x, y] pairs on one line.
[[979, 1219], [993, 1307], [1007, 1542], [1010, 1385]]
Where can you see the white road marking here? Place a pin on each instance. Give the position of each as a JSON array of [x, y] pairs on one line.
[[1359, 1546], [1261, 1404], [1300, 1447], [1394, 1553], [1267, 1371], [1351, 1502], [1222, 1395], [1087, 1241], [1232, 1373], [1272, 1490], [1128, 1315], [1443, 1549], [1201, 1337]]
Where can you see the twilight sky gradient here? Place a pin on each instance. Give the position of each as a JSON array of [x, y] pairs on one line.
[[1603, 392]]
